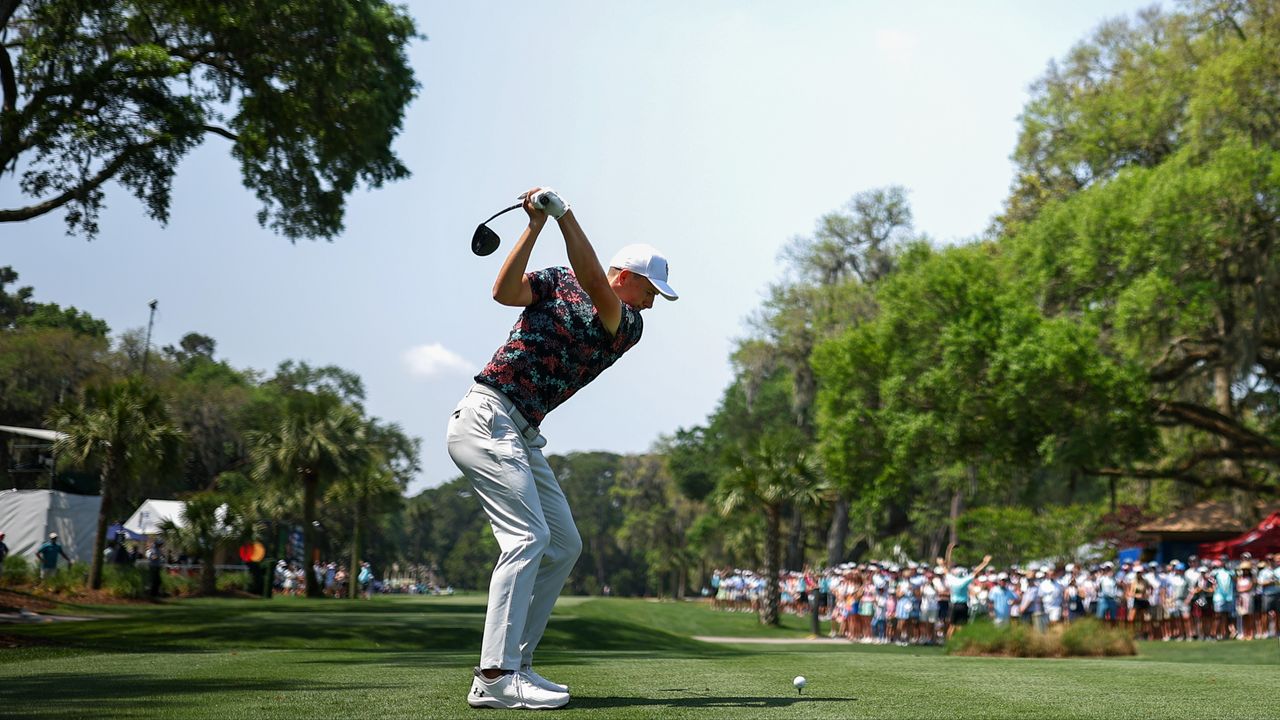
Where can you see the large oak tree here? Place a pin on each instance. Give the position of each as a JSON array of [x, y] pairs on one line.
[[310, 95]]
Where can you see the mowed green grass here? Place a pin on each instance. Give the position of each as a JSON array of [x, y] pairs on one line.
[[408, 657]]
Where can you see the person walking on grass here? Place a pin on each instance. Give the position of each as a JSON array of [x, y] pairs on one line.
[[49, 553], [575, 323]]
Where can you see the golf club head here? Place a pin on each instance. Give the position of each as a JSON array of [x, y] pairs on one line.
[[484, 241]]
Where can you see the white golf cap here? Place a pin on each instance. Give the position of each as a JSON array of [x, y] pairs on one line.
[[645, 260]]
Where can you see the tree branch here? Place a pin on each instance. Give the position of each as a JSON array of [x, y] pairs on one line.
[[1183, 471], [1184, 413], [220, 131], [7, 9], [7, 80], [1202, 350], [106, 173]]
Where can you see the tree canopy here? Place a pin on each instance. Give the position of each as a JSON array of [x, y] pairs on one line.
[[310, 95]]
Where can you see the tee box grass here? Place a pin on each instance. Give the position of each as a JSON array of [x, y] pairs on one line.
[[411, 657]]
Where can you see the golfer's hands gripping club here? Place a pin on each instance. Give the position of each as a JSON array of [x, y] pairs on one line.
[[549, 201]]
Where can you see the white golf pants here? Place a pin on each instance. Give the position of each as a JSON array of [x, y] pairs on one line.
[[501, 454]]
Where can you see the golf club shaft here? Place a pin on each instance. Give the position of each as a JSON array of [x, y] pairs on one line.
[[507, 210]]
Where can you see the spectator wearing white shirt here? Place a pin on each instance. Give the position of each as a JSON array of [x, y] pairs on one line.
[[1177, 605], [1109, 593]]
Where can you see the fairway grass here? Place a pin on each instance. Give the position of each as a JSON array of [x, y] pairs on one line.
[[411, 657]]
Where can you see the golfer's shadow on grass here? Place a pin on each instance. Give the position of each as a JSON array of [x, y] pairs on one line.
[[696, 699]]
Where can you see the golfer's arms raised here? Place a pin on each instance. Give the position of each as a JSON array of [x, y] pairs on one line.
[[512, 286], [592, 278]]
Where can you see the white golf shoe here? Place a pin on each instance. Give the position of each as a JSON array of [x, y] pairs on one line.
[[512, 691], [542, 682]]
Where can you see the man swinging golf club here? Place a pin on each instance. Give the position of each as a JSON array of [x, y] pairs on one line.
[[575, 323]]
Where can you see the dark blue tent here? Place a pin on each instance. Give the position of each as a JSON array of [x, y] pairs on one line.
[[118, 529]]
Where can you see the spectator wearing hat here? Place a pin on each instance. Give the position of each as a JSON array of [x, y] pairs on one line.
[[1223, 581], [1109, 593], [1032, 607], [929, 606], [1155, 598], [1087, 592], [1052, 596], [1201, 588], [1177, 603], [959, 581], [1139, 596], [944, 594], [1269, 593], [1002, 599], [49, 553], [1244, 600]]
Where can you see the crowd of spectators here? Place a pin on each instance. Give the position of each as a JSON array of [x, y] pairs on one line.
[[289, 579], [923, 603], [335, 581]]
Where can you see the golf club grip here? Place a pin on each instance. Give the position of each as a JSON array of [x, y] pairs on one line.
[[505, 210]]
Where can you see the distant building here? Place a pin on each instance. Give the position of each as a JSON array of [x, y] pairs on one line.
[[1178, 535]]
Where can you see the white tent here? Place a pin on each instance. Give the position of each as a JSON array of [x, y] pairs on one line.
[[147, 518], [28, 516], [150, 514]]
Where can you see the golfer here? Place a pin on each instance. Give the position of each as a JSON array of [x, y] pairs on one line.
[[575, 323]]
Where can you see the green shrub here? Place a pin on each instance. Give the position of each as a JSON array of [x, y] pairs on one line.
[[180, 585], [233, 581], [124, 581], [1083, 638], [66, 579], [17, 571]]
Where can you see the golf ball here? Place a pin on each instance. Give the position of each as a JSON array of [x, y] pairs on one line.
[[799, 682]]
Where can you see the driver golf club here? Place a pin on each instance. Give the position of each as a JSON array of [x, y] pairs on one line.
[[485, 241]]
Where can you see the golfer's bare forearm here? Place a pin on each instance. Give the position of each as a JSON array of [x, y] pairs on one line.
[[591, 276], [512, 287]]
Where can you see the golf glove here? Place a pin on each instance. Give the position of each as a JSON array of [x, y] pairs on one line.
[[550, 202]]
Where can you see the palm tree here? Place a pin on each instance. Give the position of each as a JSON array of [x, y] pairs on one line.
[[205, 527], [122, 429], [317, 439], [367, 493], [768, 476]]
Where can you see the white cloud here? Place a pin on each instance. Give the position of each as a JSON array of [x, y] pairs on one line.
[[895, 42], [434, 360]]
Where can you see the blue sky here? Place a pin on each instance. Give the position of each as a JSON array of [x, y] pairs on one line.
[[715, 130]]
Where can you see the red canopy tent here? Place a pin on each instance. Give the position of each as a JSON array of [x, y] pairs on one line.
[[1260, 541]]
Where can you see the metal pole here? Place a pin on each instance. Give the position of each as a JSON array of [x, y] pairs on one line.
[[146, 351]]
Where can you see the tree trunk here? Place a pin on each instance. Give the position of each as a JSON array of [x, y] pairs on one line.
[[353, 574], [956, 497], [597, 552], [838, 534], [1112, 480], [310, 485], [1223, 404], [772, 559], [5, 461], [795, 539], [208, 573], [100, 536]]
